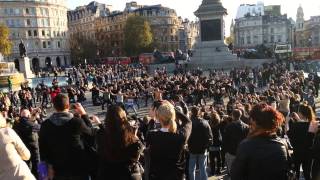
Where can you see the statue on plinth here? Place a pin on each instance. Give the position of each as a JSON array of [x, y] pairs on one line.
[[22, 49]]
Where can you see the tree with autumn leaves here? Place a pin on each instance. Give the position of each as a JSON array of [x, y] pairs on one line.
[[138, 36], [5, 43]]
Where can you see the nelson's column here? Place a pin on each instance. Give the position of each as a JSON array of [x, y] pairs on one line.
[[210, 50]]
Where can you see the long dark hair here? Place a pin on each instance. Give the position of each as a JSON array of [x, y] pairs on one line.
[[118, 133]]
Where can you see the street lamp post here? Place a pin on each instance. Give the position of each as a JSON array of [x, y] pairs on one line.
[[309, 43], [287, 50]]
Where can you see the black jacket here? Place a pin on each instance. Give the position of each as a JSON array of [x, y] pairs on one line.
[[116, 168], [167, 151], [234, 133], [61, 144], [260, 158], [300, 139], [28, 132], [216, 136], [201, 136]]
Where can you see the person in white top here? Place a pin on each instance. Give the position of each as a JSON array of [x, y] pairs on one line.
[[13, 153]]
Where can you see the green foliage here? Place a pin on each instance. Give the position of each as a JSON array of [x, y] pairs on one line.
[[138, 36], [229, 40], [5, 43], [81, 49]]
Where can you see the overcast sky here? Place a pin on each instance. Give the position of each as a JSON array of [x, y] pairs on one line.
[[185, 8]]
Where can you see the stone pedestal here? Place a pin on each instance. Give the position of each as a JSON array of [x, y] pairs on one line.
[[24, 66], [210, 52]]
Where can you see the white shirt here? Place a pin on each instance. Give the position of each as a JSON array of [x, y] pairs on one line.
[[164, 130]]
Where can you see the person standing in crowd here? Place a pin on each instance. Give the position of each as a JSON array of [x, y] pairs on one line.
[[316, 157], [119, 148], [28, 132], [95, 95], [234, 133], [198, 144], [309, 97], [301, 136], [54, 91], [61, 146], [262, 155], [120, 99], [167, 145], [9, 83], [106, 98], [13, 153], [215, 148]]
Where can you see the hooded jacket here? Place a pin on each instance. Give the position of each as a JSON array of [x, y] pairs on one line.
[[61, 144]]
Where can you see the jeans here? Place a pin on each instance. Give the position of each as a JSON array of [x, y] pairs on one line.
[[131, 106], [229, 160], [202, 162]]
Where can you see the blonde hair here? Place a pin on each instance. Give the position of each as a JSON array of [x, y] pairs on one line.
[[166, 114], [3, 121]]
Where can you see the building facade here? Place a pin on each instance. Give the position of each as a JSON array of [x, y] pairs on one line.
[[188, 34], [111, 29], [164, 23], [300, 39], [250, 9], [313, 28], [42, 25], [272, 10], [81, 21], [307, 32], [267, 30]]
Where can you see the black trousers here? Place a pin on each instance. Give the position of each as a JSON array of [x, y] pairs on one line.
[[316, 170], [306, 163], [215, 166]]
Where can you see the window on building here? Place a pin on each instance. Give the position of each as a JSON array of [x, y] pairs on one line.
[[35, 33], [49, 44], [27, 11], [279, 38], [59, 44], [272, 39], [248, 39], [44, 44], [241, 40], [28, 22], [17, 11], [33, 11], [29, 33], [43, 33]]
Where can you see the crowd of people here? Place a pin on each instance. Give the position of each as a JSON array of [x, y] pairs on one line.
[[252, 123]]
